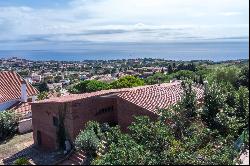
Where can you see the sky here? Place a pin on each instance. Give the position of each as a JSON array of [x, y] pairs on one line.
[[28, 23]]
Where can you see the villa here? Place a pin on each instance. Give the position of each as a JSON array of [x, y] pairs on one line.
[[116, 107], [14, 90]]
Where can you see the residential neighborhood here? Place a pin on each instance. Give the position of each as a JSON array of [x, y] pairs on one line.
[[42, 119], [124, 82]]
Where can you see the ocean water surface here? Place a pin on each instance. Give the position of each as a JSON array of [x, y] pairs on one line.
[[215, 51]]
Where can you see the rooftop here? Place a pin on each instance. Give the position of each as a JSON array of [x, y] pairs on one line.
[[149, 97], [10, 86], [74, 97], [158, 96]]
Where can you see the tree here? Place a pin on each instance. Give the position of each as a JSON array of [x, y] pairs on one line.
[[242, 106], [8, 124], [201, 81], [214, 101], [157, 78], [89, 86], [127, 82], [225, 75], [170, 69], [244, 77], [154, 142], [188, 102], [89, 140], [43, 87], [57, 79], [125, 152], [162, 71], [184, 75], [42, 95]]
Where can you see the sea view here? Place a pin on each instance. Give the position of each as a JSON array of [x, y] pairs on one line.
[[215, 51], [124, 82]]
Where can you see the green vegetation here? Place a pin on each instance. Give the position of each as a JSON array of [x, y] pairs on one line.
[[89, 86], [43, 95], [183, 134], [22, 161], [127, 82], [8, 125], [43, 87], [94, 85], [89, 139]]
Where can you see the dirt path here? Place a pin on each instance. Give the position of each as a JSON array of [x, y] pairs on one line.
[[23, 146], [15, 144]]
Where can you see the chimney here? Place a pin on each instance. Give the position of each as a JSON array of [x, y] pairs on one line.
[[24, 96], [206, 86]]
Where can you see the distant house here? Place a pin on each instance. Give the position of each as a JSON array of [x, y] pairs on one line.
[[115, 106], [16, 95], [36, 78], [14, 89], [54, 86]]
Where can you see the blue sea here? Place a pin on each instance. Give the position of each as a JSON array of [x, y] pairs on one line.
[[215, 51]]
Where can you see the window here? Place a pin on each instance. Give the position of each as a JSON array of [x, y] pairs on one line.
[[105, 110], [55, 121]]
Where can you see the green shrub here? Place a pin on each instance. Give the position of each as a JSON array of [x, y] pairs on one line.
[[8, 124], [22, 161], [89, 86], [42, 95], [127, 82]]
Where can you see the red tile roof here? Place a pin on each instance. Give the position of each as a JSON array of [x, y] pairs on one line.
[[158, 96], [149, 97], [22, 110], [73, 97], [10, 86]]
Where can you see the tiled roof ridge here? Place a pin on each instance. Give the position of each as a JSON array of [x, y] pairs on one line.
[[73, 97], [10, 86], [132, 91], [159, 96]]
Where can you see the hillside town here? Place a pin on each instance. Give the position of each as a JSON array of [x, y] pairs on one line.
[[51, 102], [124, 82]]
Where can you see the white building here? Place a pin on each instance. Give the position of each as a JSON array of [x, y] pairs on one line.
[[14, 89]]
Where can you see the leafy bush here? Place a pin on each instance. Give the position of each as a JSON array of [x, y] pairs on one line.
[[8, 124], [127, 82], [43, 95], [157, 78], [89, 139], [89, 86], [88, 142], [43, 87], [21, 161]]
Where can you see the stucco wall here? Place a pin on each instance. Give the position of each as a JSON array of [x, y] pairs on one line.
[[127, 111], [87, 110], [25, 126], [42, 120]]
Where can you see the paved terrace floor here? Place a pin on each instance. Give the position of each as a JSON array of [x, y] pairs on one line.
[[23, 146]]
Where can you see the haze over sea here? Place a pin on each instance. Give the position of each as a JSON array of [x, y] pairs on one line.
[[215, 51]]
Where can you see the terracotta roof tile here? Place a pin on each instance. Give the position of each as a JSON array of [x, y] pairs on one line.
[[158, 96], [149, 97], [73, 97], [10, 86], [21, 109]]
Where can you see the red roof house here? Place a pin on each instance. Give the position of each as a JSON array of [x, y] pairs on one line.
[[116, 107], [14, 91]]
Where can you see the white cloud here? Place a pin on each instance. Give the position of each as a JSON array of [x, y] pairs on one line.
[[231, 13], [130, 20]]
